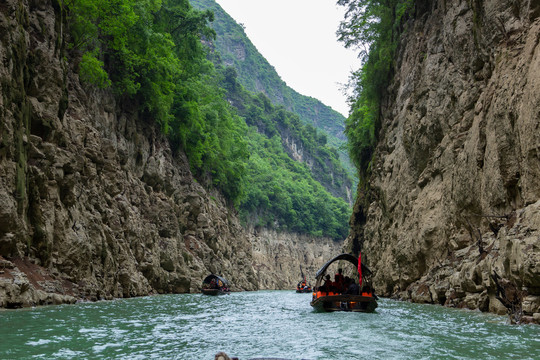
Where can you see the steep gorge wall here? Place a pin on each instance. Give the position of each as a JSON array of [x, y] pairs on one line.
[[282, 258], [94, 204], [454, 192]]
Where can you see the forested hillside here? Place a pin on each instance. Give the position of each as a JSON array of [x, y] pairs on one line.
[[152, 57], [303, 142], [290, 170], [257, 75]]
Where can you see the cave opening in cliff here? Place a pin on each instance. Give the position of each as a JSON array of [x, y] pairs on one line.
[[39, 128]]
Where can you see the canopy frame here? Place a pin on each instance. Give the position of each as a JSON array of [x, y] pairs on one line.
[[347, 257], [209, 278]]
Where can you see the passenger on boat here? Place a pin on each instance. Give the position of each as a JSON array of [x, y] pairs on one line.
[[302, 285], [328, 285], [367, 290], [346, 283], [353, 289], [339, 280]]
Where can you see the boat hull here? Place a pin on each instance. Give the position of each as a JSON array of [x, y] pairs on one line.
[[214, 292], [352, 303]]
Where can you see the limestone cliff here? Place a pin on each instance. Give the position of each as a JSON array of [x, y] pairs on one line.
[[282, 258], [93, 202], [453, 195]]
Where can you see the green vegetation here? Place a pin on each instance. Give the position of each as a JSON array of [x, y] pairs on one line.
[[373, 24], [257, 75], [310, 144], [281, 192], [149, 53], [283, 195]]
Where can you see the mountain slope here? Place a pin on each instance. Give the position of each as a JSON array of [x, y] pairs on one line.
[[302, 142], [295, 182], [257, 75]]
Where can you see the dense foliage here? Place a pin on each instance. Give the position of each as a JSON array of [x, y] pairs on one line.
[[150, 54], [300, 140], [371, 25], [281, 192], [284, 196], [257, 75]]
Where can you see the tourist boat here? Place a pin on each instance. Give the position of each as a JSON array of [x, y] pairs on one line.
[[303, 286], [215, 285], [358, 297]]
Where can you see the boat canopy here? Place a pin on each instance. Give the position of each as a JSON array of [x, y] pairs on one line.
[[348, 257], [208, 280]]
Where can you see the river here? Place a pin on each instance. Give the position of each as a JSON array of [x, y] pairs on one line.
[[279, 324]]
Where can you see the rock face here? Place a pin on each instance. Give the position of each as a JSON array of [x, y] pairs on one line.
[[93, 202], [455, 183], [330, 175], [92, 194], [280, 258]]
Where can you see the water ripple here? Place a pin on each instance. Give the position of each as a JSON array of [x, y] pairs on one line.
[[258, 324]]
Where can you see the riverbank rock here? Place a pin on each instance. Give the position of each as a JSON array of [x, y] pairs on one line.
[[24, 284], [466, 280], [453, 193]]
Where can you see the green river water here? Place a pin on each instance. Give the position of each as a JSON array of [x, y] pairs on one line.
[[278, 324]]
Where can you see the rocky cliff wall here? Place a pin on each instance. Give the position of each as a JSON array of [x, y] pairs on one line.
[[93, 202], [281, 258], [453, 193]]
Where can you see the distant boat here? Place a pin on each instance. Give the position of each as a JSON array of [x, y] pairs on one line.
[[334, 297], [303, 287], [215, 285]]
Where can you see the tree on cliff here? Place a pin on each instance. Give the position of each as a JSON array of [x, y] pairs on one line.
[[372, 26], [511, 296], [150, 53]]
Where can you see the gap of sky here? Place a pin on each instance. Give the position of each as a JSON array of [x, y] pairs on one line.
[[298, 38]]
